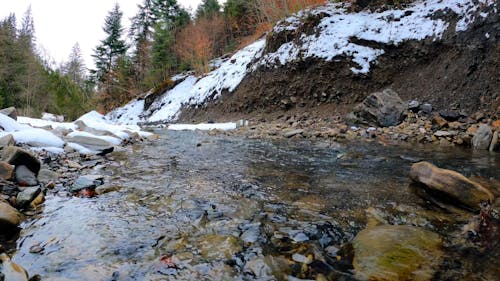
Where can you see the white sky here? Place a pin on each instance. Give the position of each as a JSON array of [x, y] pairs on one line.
[[59, 24]]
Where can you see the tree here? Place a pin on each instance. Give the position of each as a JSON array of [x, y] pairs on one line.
[[208, 9], [141, 33], [75, 67], [112, 47]]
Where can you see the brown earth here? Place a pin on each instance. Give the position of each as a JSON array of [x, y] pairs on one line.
[[461, 72]]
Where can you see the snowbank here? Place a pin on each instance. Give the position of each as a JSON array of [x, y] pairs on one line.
[[337, 31], [192, 90], [37, 132]]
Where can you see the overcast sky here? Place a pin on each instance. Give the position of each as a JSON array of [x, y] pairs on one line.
[[59, 24]]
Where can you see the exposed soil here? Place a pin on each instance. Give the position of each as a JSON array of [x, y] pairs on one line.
[[461, 72]]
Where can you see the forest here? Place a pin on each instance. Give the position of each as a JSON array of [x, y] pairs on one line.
[[164, 39]]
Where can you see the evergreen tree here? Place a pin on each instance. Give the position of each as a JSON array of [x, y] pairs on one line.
[[208, 9], [112, 47], [75, 67], [141, 34]]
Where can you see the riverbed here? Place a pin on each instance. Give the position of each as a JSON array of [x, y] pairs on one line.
[[191, 206]]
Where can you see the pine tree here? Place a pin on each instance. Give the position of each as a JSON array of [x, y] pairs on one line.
[[112, 47], [75, 67], [208, 9], [141, 34]]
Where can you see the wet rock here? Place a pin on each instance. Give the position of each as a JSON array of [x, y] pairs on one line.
[[439, 121], [103, 189], [6, 170], [451, 184], [494, 141], [451, 115], [46, 176], [25, 197], [381, 109], [10, 111], [17, 156], [292, 133], [7, 140], [396, 252], [9, 216], [414, 105], [426, 108], [12, 271], [87, 182], [482, 138], [219, 247], [73, 164], [25, 177], [441, 134]]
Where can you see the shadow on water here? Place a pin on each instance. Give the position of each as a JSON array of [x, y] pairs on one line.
[[196, 207]]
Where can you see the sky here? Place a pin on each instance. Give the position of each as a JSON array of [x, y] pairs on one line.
[[59, 24]]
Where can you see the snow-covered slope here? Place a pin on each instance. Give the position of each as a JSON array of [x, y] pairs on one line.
[[338, 35]]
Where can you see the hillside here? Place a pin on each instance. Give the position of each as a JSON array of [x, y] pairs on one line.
[[327, 59]]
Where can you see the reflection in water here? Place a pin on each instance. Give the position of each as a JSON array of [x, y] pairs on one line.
[[196, 207]]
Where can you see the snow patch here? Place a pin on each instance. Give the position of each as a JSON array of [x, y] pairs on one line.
[[203, 127]]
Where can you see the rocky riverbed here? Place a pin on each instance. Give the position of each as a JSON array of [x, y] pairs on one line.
[[267, 210]]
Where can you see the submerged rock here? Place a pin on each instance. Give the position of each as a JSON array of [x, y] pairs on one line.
[[396, 252], [17, 156], [87, 182], [381, 109], [452, 184]]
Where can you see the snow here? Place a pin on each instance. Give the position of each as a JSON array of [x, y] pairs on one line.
[[193, 90], [110, 139], [37, 137], [337, 31], [203, 127], [43, 123], [98, 121]]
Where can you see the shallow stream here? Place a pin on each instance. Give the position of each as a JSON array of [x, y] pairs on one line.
[[198, 207]]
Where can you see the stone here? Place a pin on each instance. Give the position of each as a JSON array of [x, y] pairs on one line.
[[451, 115], [46, 176], [482, 138], [91, 143], [380, 109], [439, 121], [10, 270], [103, 189], [10, 111], [25, 177], [87, 182], [52, 117], [396, 252], [215, 246], [17, 156], [292, 133], [441, 134], [494, 141], [496, 125], [25, 197], [9, 216], [7, 140], [414, 105], [6, 170], [83, 127], [452, 184], [426, 108]]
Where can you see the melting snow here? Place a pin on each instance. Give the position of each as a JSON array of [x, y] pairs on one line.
[[203, 127]]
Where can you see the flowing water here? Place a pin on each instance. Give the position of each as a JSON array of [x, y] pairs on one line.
[[197, 207]]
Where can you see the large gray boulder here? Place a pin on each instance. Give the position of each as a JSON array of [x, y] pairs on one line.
[[25, 177], [17, 156], [10, 111], [482, 138], [380, 109]]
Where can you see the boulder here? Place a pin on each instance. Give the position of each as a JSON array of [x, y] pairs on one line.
[[94, 144], [381, 109], [482, 138], [87, 181], [494, 141], [292, 133], [7, 140], [46, 176], [17, 156], [10, 111], [396, 252], [451, 184], [10, 270], [25, 177], [52, 117], [9, 216], [83, 127], [6, 170], [25, 197]]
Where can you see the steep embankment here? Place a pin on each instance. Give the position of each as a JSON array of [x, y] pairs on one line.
[[327, 59]]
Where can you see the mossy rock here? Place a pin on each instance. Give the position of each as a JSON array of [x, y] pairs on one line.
[[396, 252]]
